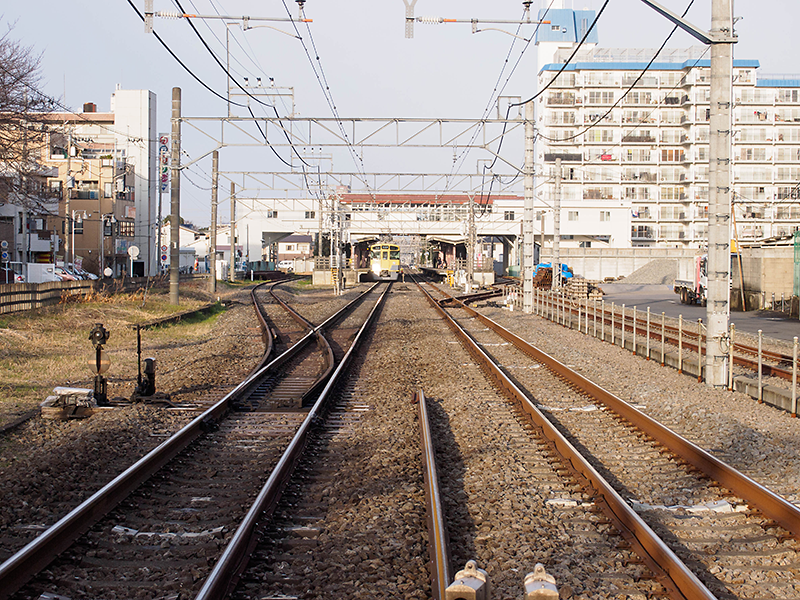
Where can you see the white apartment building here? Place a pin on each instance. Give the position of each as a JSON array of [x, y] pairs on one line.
[[646, 150]]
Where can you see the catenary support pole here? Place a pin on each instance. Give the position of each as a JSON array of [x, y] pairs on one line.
[[232, 270], [212, 245], [527, 213], [719, 204], [556, 262], [175, 199]]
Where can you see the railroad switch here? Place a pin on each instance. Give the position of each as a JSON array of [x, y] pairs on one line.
[[539, 585], [471, 583], [147, 382]]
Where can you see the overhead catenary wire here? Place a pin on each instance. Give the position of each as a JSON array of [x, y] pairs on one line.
[[323, 82], [540, 92], [205, 44], [630, 88], [493, 98], [183, 64]]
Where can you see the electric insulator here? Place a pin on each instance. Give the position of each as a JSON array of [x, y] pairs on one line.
[[430, 20], [169, 14]]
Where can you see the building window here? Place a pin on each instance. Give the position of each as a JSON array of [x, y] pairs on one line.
[[508, 215], [125, 228], [108, 189], [572, 215], [272, 214], [605, 215], [672, 155], [310, 214]]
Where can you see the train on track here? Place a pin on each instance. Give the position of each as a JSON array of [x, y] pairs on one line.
[[384, 263]]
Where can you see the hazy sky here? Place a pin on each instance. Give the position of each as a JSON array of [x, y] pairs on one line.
[[90, 46]]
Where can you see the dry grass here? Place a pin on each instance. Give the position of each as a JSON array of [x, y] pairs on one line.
[[50, 347]]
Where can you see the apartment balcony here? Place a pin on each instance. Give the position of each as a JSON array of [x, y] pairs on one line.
[[76, 194], [640, 177], [638, 139], [643, 82], [562, 102], [642, 234]]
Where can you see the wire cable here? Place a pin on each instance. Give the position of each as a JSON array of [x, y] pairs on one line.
[[181, 63], [323, 82], [540, 92], [217, 60], [626, 92]]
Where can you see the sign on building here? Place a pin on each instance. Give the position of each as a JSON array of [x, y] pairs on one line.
[[163, 161]]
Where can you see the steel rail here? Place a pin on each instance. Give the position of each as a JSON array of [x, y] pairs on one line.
[[690, 343], [770, 504], [220, 583], [673, 573], [36, 555], [477, 297], [438, 540]]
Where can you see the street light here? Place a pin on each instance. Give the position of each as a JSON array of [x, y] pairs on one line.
[[109, 223], [77, 217]]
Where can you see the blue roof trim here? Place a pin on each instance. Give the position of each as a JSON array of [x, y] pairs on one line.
[[640, 66], [778, 83]]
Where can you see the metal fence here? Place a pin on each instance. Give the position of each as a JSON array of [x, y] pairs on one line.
[[16, 297]]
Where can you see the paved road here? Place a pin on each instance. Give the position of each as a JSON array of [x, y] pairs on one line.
[[661, 298]]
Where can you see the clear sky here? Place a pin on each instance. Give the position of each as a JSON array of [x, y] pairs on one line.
[[90, 46]]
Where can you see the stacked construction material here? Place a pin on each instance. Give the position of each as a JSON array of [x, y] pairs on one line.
[[579, 288], [543, 279]]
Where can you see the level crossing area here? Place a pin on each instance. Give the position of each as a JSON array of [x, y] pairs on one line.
[[395, 438]]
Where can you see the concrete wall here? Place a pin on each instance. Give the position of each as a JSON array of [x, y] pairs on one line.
[[766, 271], [599, 263]]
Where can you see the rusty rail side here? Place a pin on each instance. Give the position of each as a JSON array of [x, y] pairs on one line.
[[19, 568], [438, 540], [236, 555], [672, 572], [769, 503]]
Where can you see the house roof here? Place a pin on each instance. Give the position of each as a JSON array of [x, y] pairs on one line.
[[418, 199], [296, 237]]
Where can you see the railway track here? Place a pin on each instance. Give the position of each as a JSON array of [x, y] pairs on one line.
[[729, 537], [163, 522]]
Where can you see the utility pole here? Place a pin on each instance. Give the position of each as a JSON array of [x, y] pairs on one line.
[[471, 243], [212, 247], [527, 213], [555, 263], [175, 199], [719, 183], [232, 270], [721, 39], [67, 193]]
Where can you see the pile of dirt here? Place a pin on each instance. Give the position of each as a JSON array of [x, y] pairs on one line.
[[662, 271]]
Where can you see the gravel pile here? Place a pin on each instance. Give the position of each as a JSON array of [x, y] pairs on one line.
[[662, 271]]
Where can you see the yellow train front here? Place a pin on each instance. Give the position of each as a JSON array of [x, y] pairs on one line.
[[385, 262]]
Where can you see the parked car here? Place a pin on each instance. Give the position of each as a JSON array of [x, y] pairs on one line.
[[87, 274], [288, 265], [63, 275], [9, 276]]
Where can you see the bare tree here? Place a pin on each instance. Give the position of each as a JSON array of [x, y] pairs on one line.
[[23, 126]]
